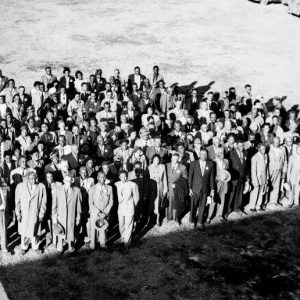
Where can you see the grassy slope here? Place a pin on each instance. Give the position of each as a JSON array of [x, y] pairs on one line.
[[251, 258]]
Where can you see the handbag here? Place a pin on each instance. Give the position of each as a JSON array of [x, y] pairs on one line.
[[164, 202]]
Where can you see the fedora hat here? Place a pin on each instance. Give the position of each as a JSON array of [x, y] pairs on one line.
[[247, 188], [58, 229], [101, 224], [224, 176]]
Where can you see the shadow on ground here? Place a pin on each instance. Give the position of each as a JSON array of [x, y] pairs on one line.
[[257, 257]]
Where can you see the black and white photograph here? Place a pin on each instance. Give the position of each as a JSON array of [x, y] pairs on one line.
[[150, 149]]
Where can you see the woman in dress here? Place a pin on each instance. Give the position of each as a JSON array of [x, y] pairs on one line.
[[157, 172]]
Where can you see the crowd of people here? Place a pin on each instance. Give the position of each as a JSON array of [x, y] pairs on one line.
[[81, 155]]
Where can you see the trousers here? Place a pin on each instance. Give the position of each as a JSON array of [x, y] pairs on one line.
[[125, 227]]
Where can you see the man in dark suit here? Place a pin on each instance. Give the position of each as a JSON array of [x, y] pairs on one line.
[[103, 152], [201, 185], [157, 149], [7, 166], [192, 102], [239, 167], [100, 81], [67, 81], [72, 158], [3, 81], [137, 78]]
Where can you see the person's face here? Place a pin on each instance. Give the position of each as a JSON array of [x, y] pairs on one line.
[[275, 121], [106, 107], [194, 94], [178, 104], [221, 154], [10, 84], [155, 70], [75, 130], [67, 73], [35, 156], [213, 118], [157, 142], [240, 146], [77, 98], [7, 158], [276, 142], [248, 89], [100, 141], [1, 99], [101, 178], [177, 127], [49, 178], [93, 97], [266, 129], [17, 99], [137, 71], [134, 87], [75, 150], [209, 97], [204, 128], [48, 71], [197, 144], [105, 169], [203, 155], [83, 173], [226, 114], [67, 181], [24, 132], [174, 159], [216, 142], [55, 159], [44, 128], [21, 90], [3, 124], [31, 179], [133, 135], [156, 161], [124, 146], [289, 142], [123, 177], [61, 141], [276, 102], [204, 105], [262, 150], [231, 140], [161, 85], [277, 112], [180, 149], [228, 125], [109, 95], [117, 73]]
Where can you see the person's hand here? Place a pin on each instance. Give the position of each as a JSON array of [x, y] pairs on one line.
[[54, 221], [212, 194], [191, 192], [77, 223], [41, 220]]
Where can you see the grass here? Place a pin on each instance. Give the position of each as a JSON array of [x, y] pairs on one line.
[[253, 258]]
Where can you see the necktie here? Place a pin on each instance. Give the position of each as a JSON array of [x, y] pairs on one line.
[[173, 168], [202, 168]]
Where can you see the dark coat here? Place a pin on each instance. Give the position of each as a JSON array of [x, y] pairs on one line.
[[238, 170], [199, 182]]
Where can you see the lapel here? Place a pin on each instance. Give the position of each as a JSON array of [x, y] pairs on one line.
[[34, 192], [70, 198]]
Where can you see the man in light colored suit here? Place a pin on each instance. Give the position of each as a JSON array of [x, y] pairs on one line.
[[128, 198], [31, 203], [259, 178], [293, 177], [277, 170], [100, 203], [66, 212], [4, 217], [48, 78], [175, 171]]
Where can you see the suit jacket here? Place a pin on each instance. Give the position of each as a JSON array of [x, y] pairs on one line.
[[239, 170], [293, 171], [107, 154], [5, 171], [199, 182], [66, 210], [163, 152], [74, 164], [128, 197], [143, 106], [190, 106], [68, 136], [211, 154], [45, 80], [3, 82], [30, 207], [174, 176], [267, 141], [259, 169], [131, 81], [277, 162], [71, 82], [100, 201]]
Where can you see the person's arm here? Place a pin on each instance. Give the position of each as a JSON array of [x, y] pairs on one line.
[[190, 178], [18, 203], [43, 202], [254, 178], [136, 195], [110, 203], [165, 181], [78, 207]]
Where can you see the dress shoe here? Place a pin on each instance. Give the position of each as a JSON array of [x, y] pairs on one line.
[[201, 227], [290, 206], [4, 250], [208, 221], [23, 252], [38, 252], [261, 209], [72, 249], [253, 210]]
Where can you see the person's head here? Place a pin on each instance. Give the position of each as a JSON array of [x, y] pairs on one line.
[[101, 177], [130, 105], [210, 96], [266, 128], [107, 106], [31, 177], [75, 129], [48, 71], [204, 127], [44, 128], [77, 97], [7, 157], [138, 152], [23, 131], [35, 154], [66, 71], [155, 69], [123, 144], [276, 101], [177, 125], [100, 140], [178, 103], [16, 98], [194, 93], [175, 158], [228, 125], [288, 141], [2, 99], [22, 162], [74, 149], [180, 148], [11, 83], [213, 117], [203, 105], [248, 88], [123, 175], [275, 120], [276, 142], [54, 157], [203, 155], [227, 114], [137, 70], [49, 177], [161, 84], [83, 172], [231, 139], [197, 143], [261, 148], [68, 180], [62, 90], [78, 75], [220, 153], [62, 140], [156, 159], [216, 141], [240, 145]]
